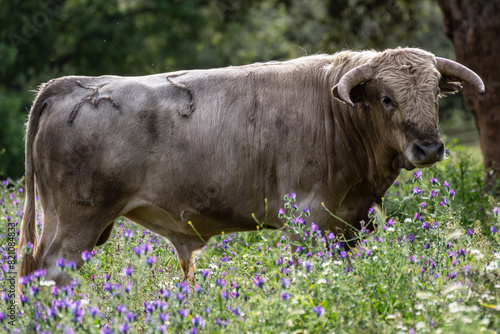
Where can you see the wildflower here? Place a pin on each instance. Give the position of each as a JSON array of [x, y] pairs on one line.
[[285, 296], [285, 283], [314, 227], [368, 252], [121, 308], [411, 238], [123, 328], [446, 184], [452, 192], [452, 275], [128, 234], [293, 197], [308, 265], [417, 216], [184, 313], [86, 255], [224, 294], [470, 232], [434, 180], [198, 321], [450, 253], [128, 271], [416, 191], [281, 213], [130, 316], [390, 222], [493, 229], [343, 254], [220, 282], [330, 236], [433, 194], [60, 263], [306, 211], [299, 249], [151, 260], [24, 299], [71, 265], [417, 174], [495, 210], [39, 273], [423, 205], [205, 273], [425, 225], [258, 282], [319, 310], [371, 211]]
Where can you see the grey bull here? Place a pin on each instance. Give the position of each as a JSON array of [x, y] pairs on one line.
[[208, 146]]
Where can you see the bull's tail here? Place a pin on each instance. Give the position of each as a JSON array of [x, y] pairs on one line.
[[28, 234]]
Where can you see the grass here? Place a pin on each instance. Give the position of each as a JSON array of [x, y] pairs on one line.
[[427, 261]]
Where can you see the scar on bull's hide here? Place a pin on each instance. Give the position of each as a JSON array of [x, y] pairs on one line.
[[94, 99], [184, 88]]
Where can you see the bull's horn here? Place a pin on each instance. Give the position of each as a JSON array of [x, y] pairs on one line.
[[459, 71], [353, 78]]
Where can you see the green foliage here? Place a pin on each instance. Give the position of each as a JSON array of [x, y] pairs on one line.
[[415, 267]]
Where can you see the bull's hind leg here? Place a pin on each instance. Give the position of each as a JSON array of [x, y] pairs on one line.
[[74, 235]]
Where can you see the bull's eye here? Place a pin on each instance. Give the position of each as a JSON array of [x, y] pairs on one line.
[[387, 101]]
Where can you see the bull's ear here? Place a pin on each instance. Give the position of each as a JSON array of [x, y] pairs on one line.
[[449, 85], [357, 94]]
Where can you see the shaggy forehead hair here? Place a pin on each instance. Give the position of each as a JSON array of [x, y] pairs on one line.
[[413, 78]]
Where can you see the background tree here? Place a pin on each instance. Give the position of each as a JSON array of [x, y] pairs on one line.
[[45, 39], [474, 29]]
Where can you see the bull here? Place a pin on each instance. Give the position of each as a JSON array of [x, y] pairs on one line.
[[209, 146]]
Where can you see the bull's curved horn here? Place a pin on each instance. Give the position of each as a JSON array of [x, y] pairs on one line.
[[353, 78], [453, 69]]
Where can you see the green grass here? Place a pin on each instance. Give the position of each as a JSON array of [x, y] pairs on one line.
[[425, 268]]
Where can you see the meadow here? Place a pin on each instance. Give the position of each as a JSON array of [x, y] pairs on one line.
[[426, 262]]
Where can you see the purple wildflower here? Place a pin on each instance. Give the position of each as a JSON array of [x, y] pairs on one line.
[[285, 296], [123, 328], [495, 210], [128, 271], [258, 282], [330, 236], [417, 191], [314, 227], [493, 229], [390, 222], [470, 232], [417, 174], [281, 213], [60, 263], [319, 310], [184, 313], [452, 192], [86, 255], [151, 260], [434, 180], [446, 184], [128, 233], [425, 225]]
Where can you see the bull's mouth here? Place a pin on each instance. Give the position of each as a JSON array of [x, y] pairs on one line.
[[400, 162]]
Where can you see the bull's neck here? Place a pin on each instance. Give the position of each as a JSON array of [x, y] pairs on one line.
[[360, 154]]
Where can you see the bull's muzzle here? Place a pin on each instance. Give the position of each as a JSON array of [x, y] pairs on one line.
[[425, 153]]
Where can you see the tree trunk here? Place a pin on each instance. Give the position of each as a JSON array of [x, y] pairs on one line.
[[474, 28]]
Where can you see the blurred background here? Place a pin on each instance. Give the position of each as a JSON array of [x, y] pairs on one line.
[[45, 39]]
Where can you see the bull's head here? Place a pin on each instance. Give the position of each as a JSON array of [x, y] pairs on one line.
[[404, 88]]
